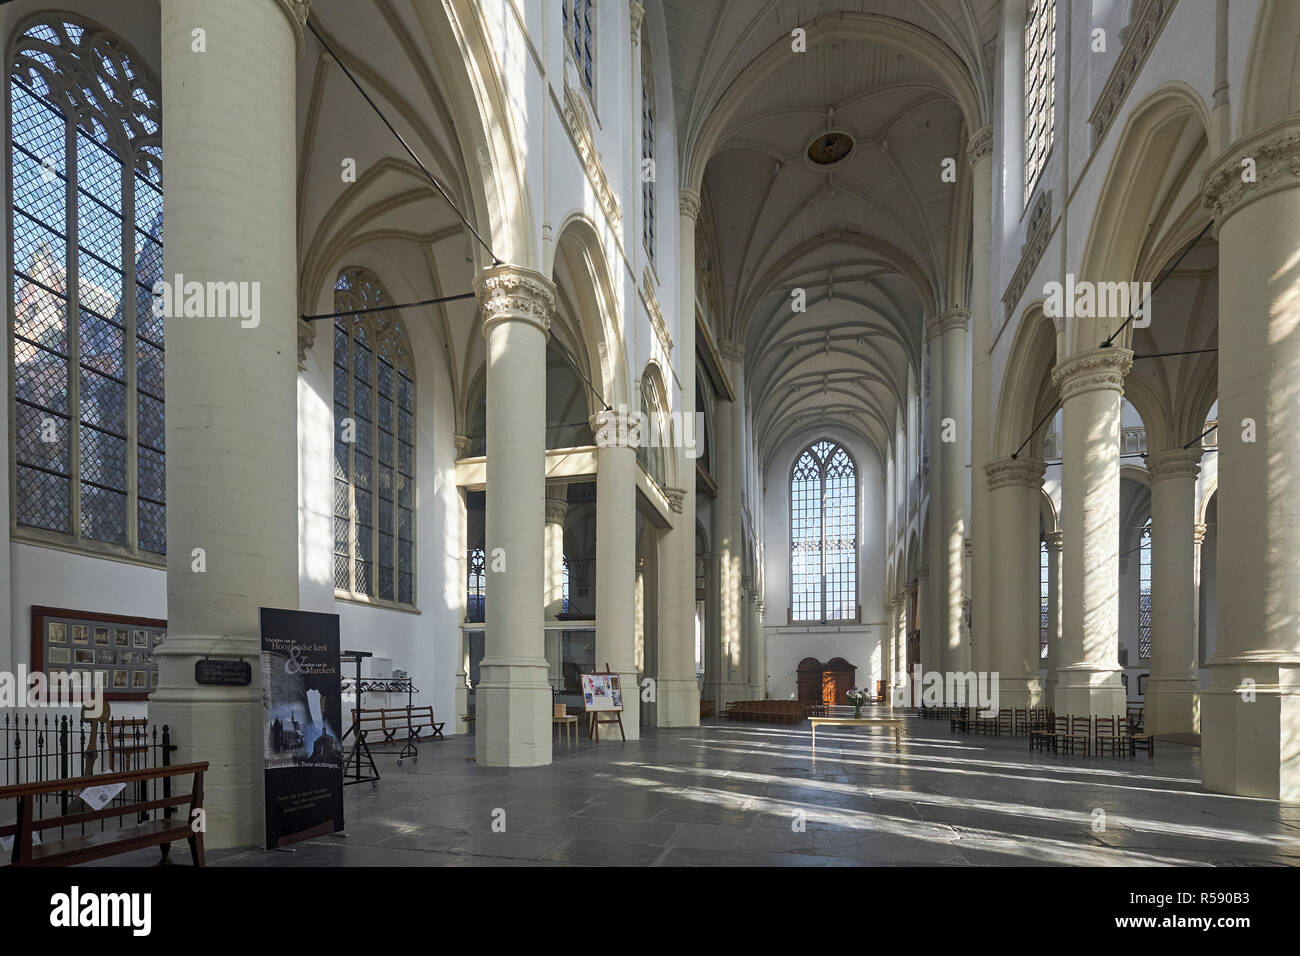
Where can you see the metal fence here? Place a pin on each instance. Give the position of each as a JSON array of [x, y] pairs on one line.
[[35, 748]]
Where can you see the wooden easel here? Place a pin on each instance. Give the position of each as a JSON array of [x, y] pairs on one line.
[[594, 722]]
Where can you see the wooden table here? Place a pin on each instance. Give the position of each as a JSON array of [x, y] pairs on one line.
[[569, 723], [895, 722]]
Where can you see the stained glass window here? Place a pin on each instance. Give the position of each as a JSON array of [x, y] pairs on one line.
[[648, 163], [85, 161], [1040, 88], [1144, 594], [577, 33], [374, 445], [476, 597], [823, 534], [1042, 600]]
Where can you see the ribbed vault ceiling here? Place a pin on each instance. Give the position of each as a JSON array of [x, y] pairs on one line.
[[869, 240]]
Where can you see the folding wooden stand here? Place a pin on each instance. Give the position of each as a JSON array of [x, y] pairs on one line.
[[593, 724]]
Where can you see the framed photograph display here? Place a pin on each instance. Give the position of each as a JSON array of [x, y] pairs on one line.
[[119, 647]]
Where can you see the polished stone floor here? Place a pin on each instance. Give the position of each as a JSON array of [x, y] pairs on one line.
[[740, 794]]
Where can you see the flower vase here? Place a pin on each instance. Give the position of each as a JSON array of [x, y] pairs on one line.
[[857, 711]]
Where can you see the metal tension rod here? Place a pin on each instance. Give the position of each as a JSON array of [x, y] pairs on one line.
[[1159, 282], [410, 152], [389, 308]]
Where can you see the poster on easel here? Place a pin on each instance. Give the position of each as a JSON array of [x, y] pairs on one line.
[[601, 692], [302, 707]]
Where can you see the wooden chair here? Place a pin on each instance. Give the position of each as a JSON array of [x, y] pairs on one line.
[[1109, 732], [959, 721], [1005, 722], [1080, 732], [1042, 732], [1138, 742]]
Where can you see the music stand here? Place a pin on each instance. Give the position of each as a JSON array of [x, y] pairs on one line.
[[359, 746]]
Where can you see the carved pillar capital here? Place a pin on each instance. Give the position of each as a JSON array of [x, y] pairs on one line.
[[512, 293], [676, 498], [1012, 472], [1055, 541], [1092, 370], [306, 339], [296, 11], [463, 444], [980, 144], [1175, 463], [955, 319], [731, 351], [1274, 152], [689, 203]]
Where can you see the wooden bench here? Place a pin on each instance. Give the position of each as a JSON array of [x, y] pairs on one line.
[[83, 847], [770, 711], [383, 725], [895, 722]]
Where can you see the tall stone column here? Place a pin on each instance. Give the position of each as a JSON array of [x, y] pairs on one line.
[[979, 154], [1014, 486], [232, 506], [948, 338], [1250, 714], [1088, 671], [557, 509], [616, 565], [887, 652], [677, 693], [1173, 690], [759, 657], [1054, 548], [923, 601], [728, 537], [904, 622], [514, 694], [461, 689], [677, 690]]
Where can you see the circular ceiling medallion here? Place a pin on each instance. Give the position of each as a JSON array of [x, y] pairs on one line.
[[830, 148]]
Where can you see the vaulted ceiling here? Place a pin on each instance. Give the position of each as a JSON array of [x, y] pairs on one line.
[[865, 223]]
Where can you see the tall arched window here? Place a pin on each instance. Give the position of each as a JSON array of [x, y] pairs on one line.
[[85, 161], [823, 534], [1144, 594], [1040, 88], [653, 433], [578, 33], [476, 598], [564, 584], [374, 446], [1043, 591], [648, 170]]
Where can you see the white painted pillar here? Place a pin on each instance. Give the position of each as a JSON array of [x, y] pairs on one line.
[[1250, 739], [677, 693], [924, 611], [900, 635], [727, 510], [514, 695], [557, 509], [1088, 671], [231, 390], [887, 653], [1172, 703], [983, 563], [1014, 486], [948, 338], [1054, 548], [461, 689], [616, 564], [677, 689]]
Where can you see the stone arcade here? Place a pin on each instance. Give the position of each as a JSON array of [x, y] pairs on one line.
[[823, 257]]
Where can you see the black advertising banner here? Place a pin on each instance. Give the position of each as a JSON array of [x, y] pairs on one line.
[[302, 709]]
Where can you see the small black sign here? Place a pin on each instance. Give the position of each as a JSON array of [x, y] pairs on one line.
[[223, 673]]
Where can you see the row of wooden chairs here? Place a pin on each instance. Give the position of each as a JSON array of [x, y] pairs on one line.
[[1094, 735]]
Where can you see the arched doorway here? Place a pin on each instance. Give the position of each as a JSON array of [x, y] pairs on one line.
[[837, 677]]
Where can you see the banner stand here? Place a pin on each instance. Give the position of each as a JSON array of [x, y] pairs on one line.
[[602, 693]]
